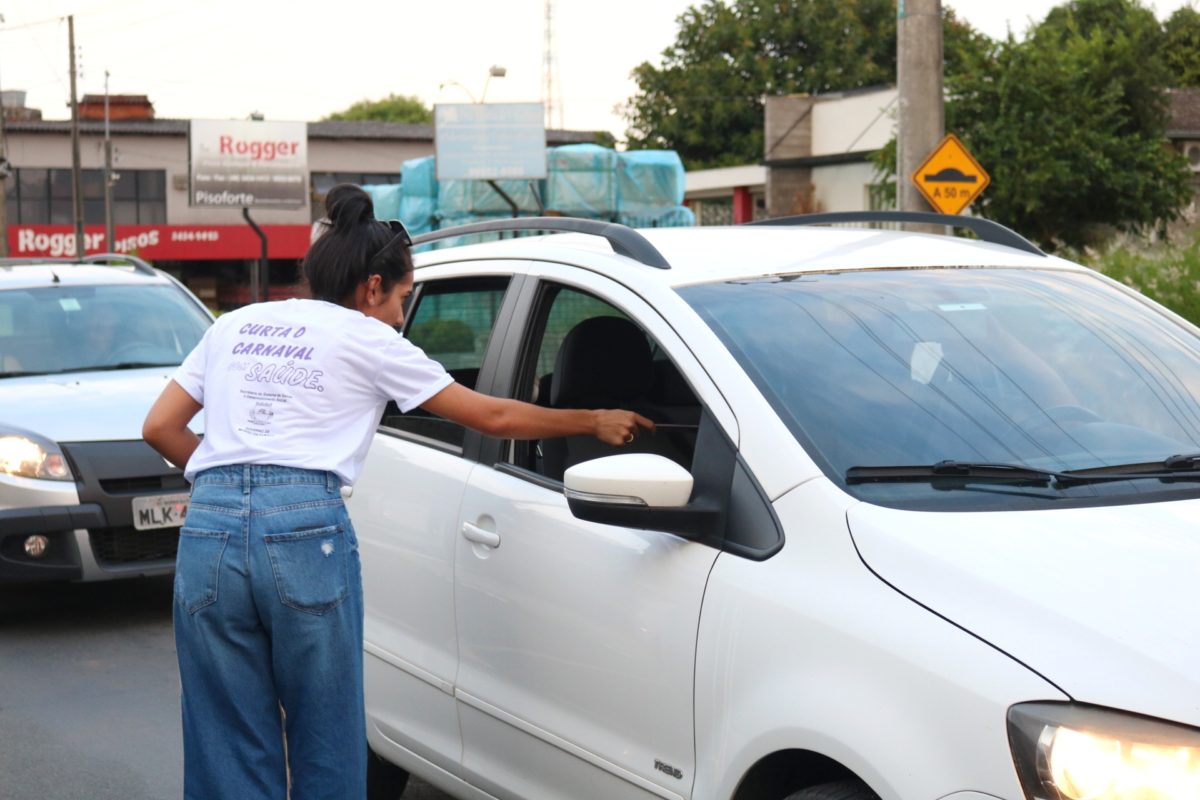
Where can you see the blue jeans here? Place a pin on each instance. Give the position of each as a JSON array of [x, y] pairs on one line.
[[269, 619]]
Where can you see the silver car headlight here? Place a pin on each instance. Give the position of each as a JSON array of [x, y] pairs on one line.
[[1066, 751], [28, 455]]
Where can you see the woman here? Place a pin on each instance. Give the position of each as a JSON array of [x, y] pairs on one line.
[[268, 598]]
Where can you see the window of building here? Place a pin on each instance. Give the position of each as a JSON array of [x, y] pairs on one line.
[[43, 197]]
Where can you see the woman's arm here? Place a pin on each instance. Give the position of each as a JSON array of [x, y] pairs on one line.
[[166, 426], [512, 419]]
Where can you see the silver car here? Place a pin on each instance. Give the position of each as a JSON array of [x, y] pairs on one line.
[[85, 348]]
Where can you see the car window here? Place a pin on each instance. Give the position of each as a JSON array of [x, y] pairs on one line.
[[452, 321], [1051, 370], [77, 328], [583, 352]]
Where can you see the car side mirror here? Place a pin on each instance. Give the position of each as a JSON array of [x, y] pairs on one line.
[[640, 490]]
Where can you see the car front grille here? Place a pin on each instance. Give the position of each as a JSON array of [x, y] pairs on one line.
[[128, 545], [155, 483]]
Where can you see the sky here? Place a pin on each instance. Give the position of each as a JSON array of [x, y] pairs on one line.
[[302, 60]]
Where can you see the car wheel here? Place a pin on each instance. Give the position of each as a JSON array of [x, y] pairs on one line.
[[835, 790], [385, 781]]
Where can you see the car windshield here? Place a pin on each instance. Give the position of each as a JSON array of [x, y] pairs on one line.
[[1054, 370], [60, 329]]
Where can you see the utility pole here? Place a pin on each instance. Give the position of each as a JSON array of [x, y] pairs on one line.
[[919, 73], [76, 173], [4, 172], [110, 235]]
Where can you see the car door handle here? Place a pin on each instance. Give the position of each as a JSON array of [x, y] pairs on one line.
[[476, 534]]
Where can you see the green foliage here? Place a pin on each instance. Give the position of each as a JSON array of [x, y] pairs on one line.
[[705, 100], [393, 108], [1070, 124], [605, 139], [1167, 273], [1181, 48], [442, 336]]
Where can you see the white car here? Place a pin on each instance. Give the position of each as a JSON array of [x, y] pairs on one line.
[[921, 519], [85, 348]]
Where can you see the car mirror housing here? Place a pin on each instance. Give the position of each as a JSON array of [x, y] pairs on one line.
[[641, 490], [632, 479]]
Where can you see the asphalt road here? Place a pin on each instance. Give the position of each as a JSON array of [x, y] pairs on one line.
[[89, 694]]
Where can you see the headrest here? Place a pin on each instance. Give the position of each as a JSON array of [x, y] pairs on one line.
[[603, 362]]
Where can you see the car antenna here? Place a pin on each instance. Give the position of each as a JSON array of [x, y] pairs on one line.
[[54, 275]]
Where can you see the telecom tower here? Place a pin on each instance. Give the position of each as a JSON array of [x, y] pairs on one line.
[[551, 93]]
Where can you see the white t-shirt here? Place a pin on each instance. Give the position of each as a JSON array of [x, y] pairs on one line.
[[300, 383]]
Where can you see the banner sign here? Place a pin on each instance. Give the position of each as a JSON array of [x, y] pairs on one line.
[[247, 164], [490, 141], [166, 242]]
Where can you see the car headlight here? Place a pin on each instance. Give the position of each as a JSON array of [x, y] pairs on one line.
[[1065, 751], [30, 456]]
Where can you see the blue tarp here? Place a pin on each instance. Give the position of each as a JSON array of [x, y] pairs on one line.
[[581, 181], [649, 182], [419, 195], [677, 217], [478, 197], [386, 197], [643, 189], [418, 176]]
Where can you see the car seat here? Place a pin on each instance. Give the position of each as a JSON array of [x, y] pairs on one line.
[[603, 362]]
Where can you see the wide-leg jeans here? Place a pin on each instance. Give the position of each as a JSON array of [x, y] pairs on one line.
[[268, 628]]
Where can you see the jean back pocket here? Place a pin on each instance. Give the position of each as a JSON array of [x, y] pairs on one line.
[[310, 567], [197, 566]]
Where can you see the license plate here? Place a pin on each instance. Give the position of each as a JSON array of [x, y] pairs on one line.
[[159, 511]]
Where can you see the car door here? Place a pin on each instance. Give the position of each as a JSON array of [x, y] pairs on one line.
[[577, 639], [405, 508]]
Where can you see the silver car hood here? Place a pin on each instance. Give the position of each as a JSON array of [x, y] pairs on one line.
[[83, 406], [1100, 601]]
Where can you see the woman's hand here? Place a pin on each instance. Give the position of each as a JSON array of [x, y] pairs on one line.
[[513, 419], [617, 427]]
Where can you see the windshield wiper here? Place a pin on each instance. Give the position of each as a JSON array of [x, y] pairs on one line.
[[1179, 467], [961, 470]]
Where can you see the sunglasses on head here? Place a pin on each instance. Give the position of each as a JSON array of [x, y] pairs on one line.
[[399, 234]]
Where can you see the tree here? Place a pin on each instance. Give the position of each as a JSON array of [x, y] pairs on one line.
[[705, 100], [1070, 124], [1181, 50], [393, 108]]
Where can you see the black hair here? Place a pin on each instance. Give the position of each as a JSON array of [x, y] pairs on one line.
[[337, 262]]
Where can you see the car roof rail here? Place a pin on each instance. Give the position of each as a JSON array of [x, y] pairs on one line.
[[985, 229], [624, 240], [116, 259]]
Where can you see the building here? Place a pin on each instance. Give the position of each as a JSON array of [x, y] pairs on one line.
[[817, 157], [210, 249]]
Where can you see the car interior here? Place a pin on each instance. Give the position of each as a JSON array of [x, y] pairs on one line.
[[583, 353], [599, 358]]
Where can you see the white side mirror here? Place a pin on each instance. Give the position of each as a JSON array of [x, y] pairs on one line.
[[634, 479]]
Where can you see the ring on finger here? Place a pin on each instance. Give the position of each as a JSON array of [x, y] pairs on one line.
[[629, 439]]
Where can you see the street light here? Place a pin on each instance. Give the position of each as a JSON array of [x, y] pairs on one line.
[[495, 71]]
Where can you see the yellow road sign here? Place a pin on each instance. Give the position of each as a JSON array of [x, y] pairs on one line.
[[950, 178]]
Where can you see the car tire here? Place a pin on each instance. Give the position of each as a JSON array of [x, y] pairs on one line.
[[835, 790], [385, 781]]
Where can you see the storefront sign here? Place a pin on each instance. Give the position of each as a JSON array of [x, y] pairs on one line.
[[166, 242], [248, 164]]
